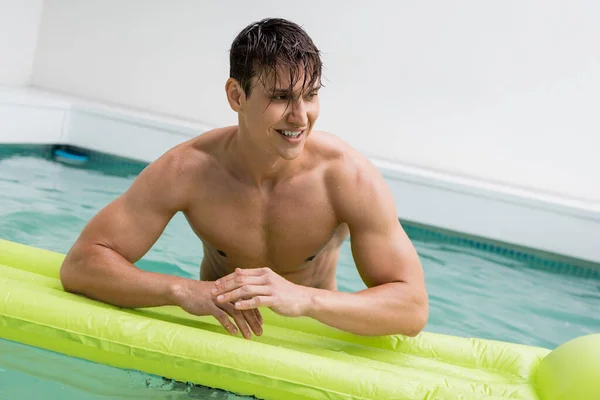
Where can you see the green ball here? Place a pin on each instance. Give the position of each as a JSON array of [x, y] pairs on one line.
[[571, 371]]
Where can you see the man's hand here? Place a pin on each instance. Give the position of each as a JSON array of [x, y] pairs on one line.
[[195, 298], [249, 289]]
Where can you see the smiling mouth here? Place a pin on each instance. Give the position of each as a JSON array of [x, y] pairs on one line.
[[290, 134]]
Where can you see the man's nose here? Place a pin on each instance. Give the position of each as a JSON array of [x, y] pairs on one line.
[[297, 114]]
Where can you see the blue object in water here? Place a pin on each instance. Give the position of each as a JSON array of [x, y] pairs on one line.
[[68, 157]]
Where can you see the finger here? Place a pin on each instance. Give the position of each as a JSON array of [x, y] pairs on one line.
[[259, 317], [243, 272], [241, 323], [239, 319], [236, 280], [223, 318], [252, 320], [244, 292], [255, 302], [241, 280]]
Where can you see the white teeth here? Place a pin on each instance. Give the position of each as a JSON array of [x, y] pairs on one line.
[[291, 133]]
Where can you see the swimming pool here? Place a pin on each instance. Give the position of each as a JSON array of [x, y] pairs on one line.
[[476, 289]]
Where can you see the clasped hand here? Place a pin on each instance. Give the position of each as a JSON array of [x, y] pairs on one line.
[[239, 296], [249, 289]]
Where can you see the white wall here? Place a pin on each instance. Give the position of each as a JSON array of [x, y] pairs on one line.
[[502, 91], [19, 20]]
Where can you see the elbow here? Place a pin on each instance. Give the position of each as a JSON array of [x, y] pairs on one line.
[[415, 317], [408, 323], [419, 321], [67, 277], [69, 273]]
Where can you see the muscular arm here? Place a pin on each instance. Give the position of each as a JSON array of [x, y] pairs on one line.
[[100, 263], [395, 301]]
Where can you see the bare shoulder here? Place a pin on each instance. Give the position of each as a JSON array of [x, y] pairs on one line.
[[194, 156], [171, 176], [347, 170], [354, 183]]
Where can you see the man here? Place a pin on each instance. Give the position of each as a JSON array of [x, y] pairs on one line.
[[272, 201]]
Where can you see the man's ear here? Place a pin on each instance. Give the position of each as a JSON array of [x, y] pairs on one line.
[[235, 94]]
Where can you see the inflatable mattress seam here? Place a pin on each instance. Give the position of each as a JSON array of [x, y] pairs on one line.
[[511, 377], [312, 386]]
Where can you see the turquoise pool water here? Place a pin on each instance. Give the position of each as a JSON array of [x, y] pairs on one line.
[[475, 290]]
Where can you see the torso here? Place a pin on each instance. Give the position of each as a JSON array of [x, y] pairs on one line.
[[292, 227]]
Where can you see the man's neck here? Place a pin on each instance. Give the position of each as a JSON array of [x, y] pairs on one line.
[[256, 165]]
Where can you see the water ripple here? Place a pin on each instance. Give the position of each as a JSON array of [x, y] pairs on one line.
[[473, 293]]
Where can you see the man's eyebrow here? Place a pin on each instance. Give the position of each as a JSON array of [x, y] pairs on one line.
[[288, 91], [279, 91]]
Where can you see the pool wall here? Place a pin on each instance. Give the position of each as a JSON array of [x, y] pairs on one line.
[[473, 207], [500, 92], [481, 116], [19, 26]]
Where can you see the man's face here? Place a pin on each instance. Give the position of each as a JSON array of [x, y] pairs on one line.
[[277, 119]]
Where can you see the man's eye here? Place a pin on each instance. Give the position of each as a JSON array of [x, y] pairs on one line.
[[280, 97]]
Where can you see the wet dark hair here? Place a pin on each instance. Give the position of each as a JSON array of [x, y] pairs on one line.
[[264, 46]]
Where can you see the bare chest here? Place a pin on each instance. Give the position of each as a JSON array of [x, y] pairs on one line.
[[284, 229]]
